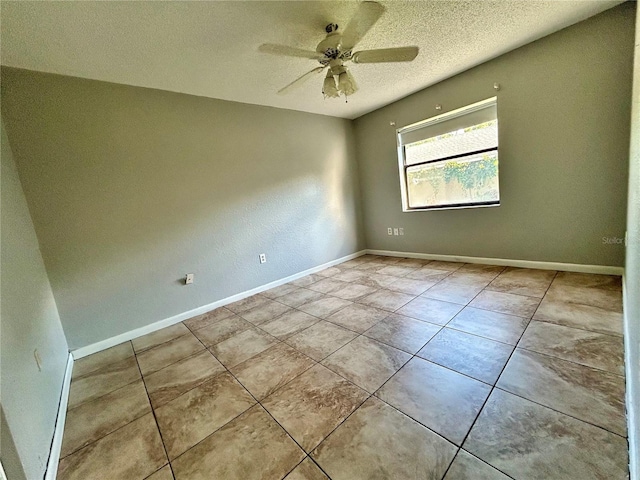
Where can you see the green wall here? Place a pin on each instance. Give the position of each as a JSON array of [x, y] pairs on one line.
[[563, 108], [132, 188]]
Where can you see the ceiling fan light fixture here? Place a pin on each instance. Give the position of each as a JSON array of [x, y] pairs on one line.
[[346, 83], [329, 88]]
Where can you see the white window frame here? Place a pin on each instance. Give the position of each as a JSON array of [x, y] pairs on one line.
[[402, 166]]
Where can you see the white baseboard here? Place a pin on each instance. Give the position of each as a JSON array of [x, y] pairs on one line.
[[167, 322], [56, 444], [632, 379], [507, 262]]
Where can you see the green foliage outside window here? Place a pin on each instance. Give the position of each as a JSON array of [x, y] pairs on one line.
[[470, 175]]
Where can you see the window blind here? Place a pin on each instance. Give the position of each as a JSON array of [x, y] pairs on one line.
[[475, 114]]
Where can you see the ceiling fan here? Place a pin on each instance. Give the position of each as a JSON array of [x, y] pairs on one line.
[[337, 49]]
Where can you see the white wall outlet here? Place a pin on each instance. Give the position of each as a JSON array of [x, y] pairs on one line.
[[395, 231], [389, 231], [263, 258], [188, 280], [401, 231]]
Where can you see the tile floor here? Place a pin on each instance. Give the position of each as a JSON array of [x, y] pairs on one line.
[[378, 368]]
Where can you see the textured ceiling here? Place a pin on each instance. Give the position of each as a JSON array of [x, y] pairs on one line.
[[210, 48]]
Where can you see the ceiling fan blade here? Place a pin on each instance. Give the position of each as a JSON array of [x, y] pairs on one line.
[[300, 81], [286, 51], [365, 17], [400, 54]]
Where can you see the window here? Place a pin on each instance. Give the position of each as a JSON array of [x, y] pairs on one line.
[[451, 161]]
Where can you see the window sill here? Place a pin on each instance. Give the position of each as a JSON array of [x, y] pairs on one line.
[[435, 209]]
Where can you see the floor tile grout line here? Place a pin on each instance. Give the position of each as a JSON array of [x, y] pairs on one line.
[[172, 363], [558, 411], [311, 301], [167, 465], [478, 335], [326, 437], [545, 294], [209, 324], [487, 463], [112, 431], [327, 356], [369, 395], [297, 376], [475, 420], [346, 328], [333, 313], [454, 371], [578, 328], [415, 420], [496, 311], [439, 435], [621, 336], [99, 397], [257, 403], [442, 327], [195, 386], [514, 347], [155, 419], [398, 348], [103, 436], [314, 460], [104, 367], [451, 463], [296, 466], [492, 386], [161, 343], [480, 460], [621, 375], [108, 434], [218, 428], [131, 421]]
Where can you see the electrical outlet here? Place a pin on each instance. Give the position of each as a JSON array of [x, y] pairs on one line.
[[389, 231], [188, 280], [263, 258], [395, 231], [401, 231]]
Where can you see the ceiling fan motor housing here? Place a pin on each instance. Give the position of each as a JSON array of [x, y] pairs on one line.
[[331, 46]]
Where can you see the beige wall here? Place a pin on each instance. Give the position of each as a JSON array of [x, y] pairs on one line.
[[132, 188], [29, 397], [563, 108]]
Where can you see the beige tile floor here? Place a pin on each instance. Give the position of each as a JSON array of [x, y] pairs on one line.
[[378, 368]]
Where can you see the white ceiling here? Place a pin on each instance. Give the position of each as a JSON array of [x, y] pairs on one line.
[[210, 48]]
